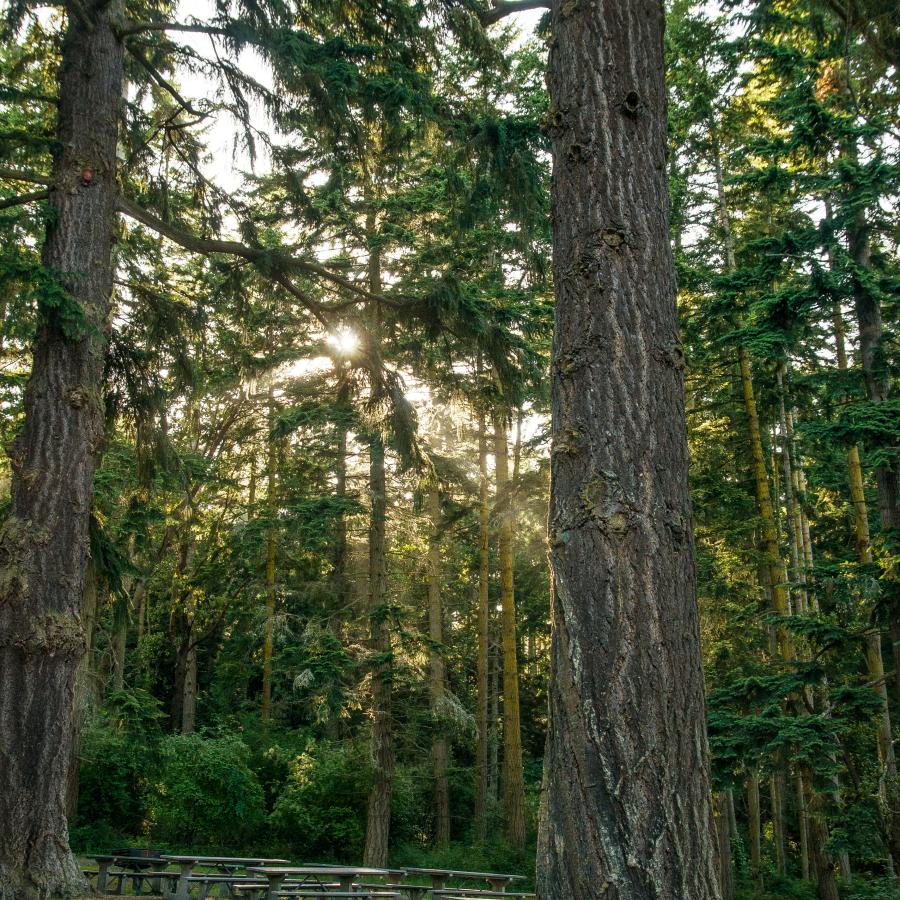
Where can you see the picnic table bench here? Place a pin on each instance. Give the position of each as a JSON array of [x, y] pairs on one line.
[[133, 867], [225, 866], [345, 876], [439, 878]]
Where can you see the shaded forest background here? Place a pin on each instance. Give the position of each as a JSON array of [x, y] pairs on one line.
[[318, 581]]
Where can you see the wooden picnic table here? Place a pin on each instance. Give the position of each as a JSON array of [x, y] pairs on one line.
[[345, 875], [439, 877], [227, 864], [133, 864]]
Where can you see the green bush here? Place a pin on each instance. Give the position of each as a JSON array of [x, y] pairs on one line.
[[321, 811], [119, 759], [206, 793]]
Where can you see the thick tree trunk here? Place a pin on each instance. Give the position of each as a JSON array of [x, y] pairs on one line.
[[627, 803], [484, 624], [513, 779], [44, 540], [440, 747]]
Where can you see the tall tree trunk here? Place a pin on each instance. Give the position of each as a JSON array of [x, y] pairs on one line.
[[378, 824], [189, 686], [493, 773], [878, 386], [778, 790], [802, 826], [890, 802], [440, 747], [271, 559], [513, 774], [627, 802], [754, 821], [484, 625], [820, 861], [379, 815], [723, 839], [44, 539]]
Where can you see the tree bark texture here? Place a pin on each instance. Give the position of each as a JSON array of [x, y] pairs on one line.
[[627, 808], [44, 543]]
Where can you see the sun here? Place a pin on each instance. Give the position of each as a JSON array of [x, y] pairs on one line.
[[344, 341]]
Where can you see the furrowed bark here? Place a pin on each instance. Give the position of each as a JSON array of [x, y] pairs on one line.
[[627, 809], [44, 544]]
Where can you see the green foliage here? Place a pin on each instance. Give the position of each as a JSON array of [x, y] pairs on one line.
[[118, 766], [320, 811], [205, 793]]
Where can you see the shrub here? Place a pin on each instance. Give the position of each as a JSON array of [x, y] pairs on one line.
[[321, 812], [206, 793], [119, 759]]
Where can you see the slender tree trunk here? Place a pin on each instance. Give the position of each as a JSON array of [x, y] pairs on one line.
[[119, 644], [379, 818], [44, 538], [484, 624], [271, 560], [777, 791], [189, 688], [890, 802], [723, 838], [802, 826], [513, 774], [627, 806], [379, 812], [755, 826], [440, 747], [493, 773]]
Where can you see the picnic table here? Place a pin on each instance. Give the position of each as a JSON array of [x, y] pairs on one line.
[[134, 867], [344, 875], [439, 878], [225, 864]]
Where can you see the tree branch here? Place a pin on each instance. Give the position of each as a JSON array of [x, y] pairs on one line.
[[503, 8], [157, 76], [273, 260], [141, 27], [29, 177], [9, 202]]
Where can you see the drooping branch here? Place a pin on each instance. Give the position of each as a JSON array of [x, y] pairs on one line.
[[166, 85], [271, 260], [21, 199], [503, 8], [141, 27], [28, 177]]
